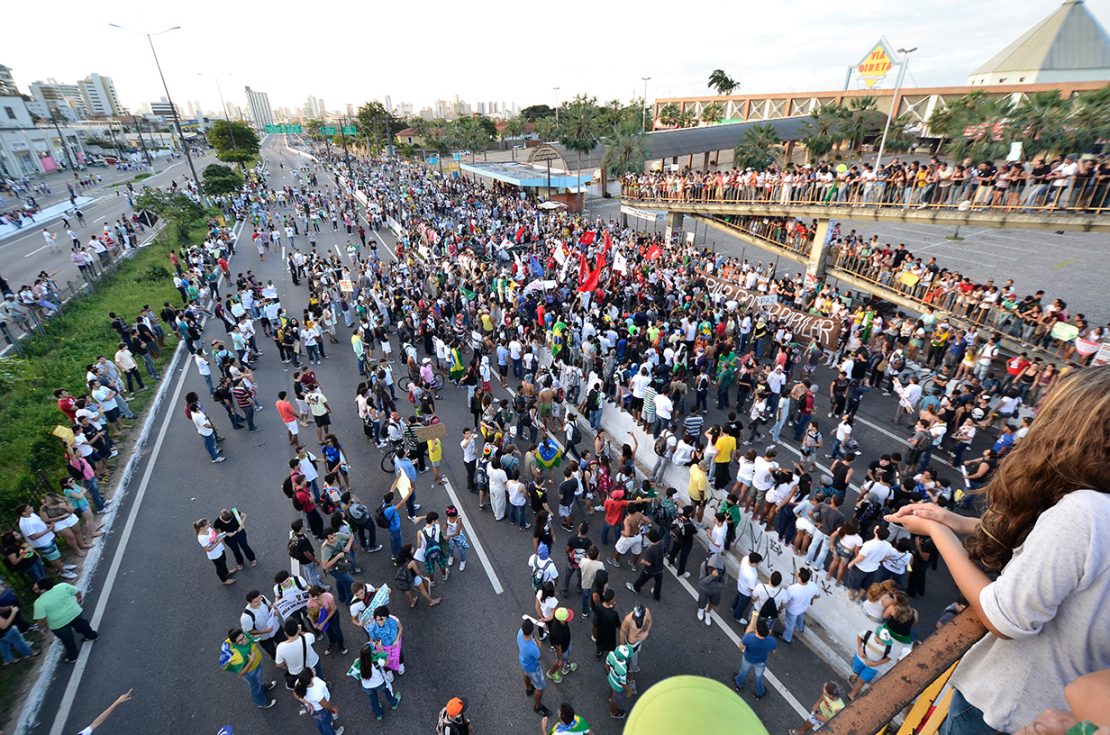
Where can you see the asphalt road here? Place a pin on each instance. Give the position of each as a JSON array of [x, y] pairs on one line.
[[165, 613], [24, 256]]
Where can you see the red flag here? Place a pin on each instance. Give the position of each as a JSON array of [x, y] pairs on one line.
[[590, 283], [600, 261], [608, 241], [654, 252], [519, 233], [587, 237], [583, 269]]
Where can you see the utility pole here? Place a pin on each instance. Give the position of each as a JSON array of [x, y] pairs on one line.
[[115, 143], [142, 144], [62, 141], [643, 117], [893, 103], [346, 155]]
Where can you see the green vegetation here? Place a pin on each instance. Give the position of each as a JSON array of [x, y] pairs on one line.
[[722, 82], [235, 142], [219, 180]]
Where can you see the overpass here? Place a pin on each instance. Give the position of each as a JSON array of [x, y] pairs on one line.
[[820, 261]]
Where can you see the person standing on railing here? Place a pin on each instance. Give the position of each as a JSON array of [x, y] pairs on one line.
[[1047, 613]]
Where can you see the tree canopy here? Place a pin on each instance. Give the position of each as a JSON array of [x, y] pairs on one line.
[[219, 180], [235, 142]]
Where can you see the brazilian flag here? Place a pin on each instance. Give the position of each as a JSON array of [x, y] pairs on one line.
[[557, 337], [548, 454], [457, 367]]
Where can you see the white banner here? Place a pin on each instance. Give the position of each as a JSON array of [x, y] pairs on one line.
[[291, 602], [643, 214]]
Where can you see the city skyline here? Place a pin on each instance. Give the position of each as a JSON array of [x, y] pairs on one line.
[[812, 57]]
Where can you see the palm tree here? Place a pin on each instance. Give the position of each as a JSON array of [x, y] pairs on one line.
[[758, 148], [723, 83], [1039, 122], [669, 114], [579, 132], [822, 131], [1090, 120], [862, 120], [625, 152], [687, 119], [947, 123], [514, 128], [712, 113]]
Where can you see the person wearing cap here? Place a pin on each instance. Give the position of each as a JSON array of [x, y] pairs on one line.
[[558, 636], [542, 567], [711, 583], [635, 629], [824, 709], [529, 657], [876, 653], [453, 719], [616, 667]]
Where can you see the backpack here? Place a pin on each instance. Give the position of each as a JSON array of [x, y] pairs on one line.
[[380, 518], [359, 515], [294, 547], [769, 610], [538, 574], [661, 444], [481, 476], [520, 404], [575, 433], [297, 505]]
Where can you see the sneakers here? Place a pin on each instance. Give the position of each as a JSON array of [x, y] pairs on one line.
[[542, 711], [708, 619], [219, 459], [701, 614], [374, 549], [68, 575], [268, 705], [631, 587], [618, 715], [557, 677], [340, 730], [613, 562], [69, 567], [269, 686], [397, 703], [462, 565]]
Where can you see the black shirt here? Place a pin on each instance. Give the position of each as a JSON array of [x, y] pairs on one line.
[[576, 549], [608, 622], [567, 489], [558, 634], [653, 554]]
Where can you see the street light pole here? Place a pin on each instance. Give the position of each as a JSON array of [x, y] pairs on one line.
[[643, 123], [346, 155], [556, 103], [62, 141], [893, 102], [173, 107]]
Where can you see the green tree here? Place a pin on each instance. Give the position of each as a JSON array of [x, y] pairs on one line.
[[514, 127], [712, 113], [862, 120], [579, 132], [1090, 119], [235, 142], [375, 124], [625, 151], [547, 128], [722, 82], [219, 180], [1039, 121], [174, 207], [758, 148], [670, 115], [822, 131], [537, 112]]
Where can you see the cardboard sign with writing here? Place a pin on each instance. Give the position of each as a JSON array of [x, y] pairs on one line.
[[432, 431], [826, 331], [291, 602], [346, 286]]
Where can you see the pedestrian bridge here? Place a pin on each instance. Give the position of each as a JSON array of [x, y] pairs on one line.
[[1056, 219]]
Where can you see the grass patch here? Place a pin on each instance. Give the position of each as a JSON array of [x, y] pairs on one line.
[[133, 179]]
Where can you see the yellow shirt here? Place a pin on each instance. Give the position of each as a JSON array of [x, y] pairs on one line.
[[435, 450], [699, 484], [726, 445]]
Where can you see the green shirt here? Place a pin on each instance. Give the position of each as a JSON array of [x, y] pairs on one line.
[[58, 605]]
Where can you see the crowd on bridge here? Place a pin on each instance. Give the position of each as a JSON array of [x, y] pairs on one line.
[[567, 339], [1065, 182]]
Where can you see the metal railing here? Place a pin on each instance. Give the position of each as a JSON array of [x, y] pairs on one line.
[[1092, 197]]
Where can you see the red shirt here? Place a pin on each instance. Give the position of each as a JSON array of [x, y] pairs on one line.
[[304, 497], [68, 406], [614, 509], [285, 410]]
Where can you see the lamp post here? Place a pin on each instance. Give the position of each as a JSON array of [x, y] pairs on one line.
[[62, 142], [169, 99], [223, 106], [643, 122], [556, 103], [893, 102]]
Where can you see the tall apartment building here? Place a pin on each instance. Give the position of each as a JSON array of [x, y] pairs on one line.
[[7, 83], [100, 96], [259, 103]]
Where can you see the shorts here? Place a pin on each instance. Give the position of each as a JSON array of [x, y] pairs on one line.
[[322, 420], [503, 370], [565, 510], [302, 407], [864, 671], [536, 678], [619, 698], [630, 545], [433, 462], [634, 659], [49, 553], [860, 580], [292, 426], [112, 415], [637, 403], [67, 522]]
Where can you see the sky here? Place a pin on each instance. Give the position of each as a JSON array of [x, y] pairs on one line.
[[497, 51]]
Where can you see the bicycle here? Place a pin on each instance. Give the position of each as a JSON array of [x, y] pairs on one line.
[[389, 453], [438, 382]]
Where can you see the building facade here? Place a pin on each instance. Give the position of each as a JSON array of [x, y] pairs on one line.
[[260, 110], [100, 96]]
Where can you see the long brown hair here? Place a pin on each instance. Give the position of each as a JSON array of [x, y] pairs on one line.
[[1067, 449]]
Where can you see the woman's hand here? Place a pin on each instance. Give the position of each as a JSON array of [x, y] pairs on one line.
[[923, 515]]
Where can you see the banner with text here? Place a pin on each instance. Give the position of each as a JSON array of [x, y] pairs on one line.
[[826, 331]]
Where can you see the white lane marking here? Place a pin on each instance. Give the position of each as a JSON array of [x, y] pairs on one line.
[[103, 216], [773, 680], [70, 694], [899, 439], [475, 542], [36, 250]]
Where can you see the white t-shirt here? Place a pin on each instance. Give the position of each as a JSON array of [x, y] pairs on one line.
[[32, 524], [639, 382], [258, 618], [292, 653], [199, 421], [316, 693], [843, 431], [104, 396], [664, 406], [873, 552], [498, 478], [800, 597], [748, 577], [517, 495], [761, 477], [204, 539], [547, 607]]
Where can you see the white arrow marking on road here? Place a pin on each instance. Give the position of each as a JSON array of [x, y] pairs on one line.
[[472, 537]]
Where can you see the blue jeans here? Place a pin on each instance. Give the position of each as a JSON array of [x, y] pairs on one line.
[[343, 582], [311, 574], [793, 622], [396, 541], [964, 718], [323, 720], [13, 641], [254, 681], [740, 606], [210, 445], [517, 514], [458, 550], [803, 423], [605, 532], [375, 703], [745, 667], [93, 486], [595, 419], [585, 602]]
